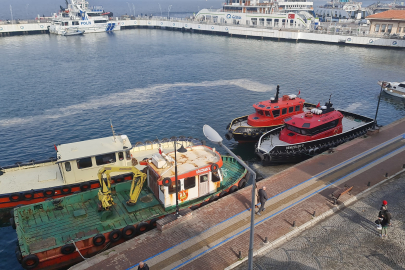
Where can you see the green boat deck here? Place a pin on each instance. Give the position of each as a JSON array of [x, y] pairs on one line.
[[47, 225]]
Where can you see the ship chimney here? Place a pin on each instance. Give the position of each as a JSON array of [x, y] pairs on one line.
[[275, 100]]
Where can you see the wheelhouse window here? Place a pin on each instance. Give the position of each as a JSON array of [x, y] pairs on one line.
[[100, 21], [128, 155], [259, 112], [290, 109], [276, 113], [68, 168], [215, 177], [284, 110], [189, 182], [105, 159], [267, 113], [172, 187], [297, 108], [75, 23], [294, 129], [401, 85], [203, 178], [84, 163], [120, 156]]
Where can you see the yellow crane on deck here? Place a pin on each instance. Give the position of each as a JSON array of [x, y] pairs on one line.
[[104, 193]]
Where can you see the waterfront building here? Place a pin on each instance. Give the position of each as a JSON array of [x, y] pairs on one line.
[[388, 23]]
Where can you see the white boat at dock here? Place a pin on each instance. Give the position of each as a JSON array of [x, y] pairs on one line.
[[79, 16], [396, 89], [286, 14]]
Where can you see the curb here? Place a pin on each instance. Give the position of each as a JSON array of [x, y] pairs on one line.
[[312, 222]]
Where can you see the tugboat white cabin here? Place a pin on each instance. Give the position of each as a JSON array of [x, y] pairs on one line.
[[198, 172]]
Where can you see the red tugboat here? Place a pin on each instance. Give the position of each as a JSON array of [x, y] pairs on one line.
[[310, 133], [269, 114]]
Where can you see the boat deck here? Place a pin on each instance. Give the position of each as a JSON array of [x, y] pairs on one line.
[[42, 226], [348, 122]]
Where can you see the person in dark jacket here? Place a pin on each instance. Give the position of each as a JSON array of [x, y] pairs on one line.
[[262, 198], [386, 221], [143, 266]]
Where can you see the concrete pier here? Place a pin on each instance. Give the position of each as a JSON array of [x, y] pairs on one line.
[[299, 198], [334, 35]]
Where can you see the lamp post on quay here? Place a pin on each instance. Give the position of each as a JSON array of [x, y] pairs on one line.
[[214, 137], [181, 150]]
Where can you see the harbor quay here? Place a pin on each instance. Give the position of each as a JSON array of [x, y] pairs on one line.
[[216, 236], [336, 33]]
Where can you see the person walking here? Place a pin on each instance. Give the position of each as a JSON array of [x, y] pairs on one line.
[[263, 198], [143, 266], [385, 222]]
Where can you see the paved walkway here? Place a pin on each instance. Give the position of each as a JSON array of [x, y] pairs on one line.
[[217, 232], [347, 240]]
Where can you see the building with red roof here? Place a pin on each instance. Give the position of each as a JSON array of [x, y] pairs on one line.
[[389, 22]]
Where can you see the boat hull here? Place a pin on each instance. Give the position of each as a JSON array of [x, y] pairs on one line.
[[293, 153]]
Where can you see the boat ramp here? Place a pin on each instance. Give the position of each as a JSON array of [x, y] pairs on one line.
[[331, 34]]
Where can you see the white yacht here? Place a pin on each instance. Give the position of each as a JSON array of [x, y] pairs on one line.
[[396, 89], [78, 16], [270, 13]]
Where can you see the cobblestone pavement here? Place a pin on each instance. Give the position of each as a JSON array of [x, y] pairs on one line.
[[349, 239]]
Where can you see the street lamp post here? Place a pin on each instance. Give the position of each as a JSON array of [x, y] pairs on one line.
[[168, 11], [214, 137], [181, 150], [378, 105]]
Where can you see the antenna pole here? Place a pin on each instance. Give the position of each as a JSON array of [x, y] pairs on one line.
[[112, 128]]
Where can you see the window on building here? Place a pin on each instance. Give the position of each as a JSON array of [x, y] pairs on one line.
[[172, 187], [389, 29], [399, 30], [68, 168], [291, 109], [377, 28], [383, 26], [189, 182], [284, 110], [105, 159], [120, 156], [84, 163], [297, 108], [276, 113]]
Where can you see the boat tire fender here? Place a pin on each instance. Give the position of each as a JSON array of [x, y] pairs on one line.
[[49, 192], [98, 240], [15, 197], [233, 189], [18, 254], [212, 198], [28, 196], [142, 228], [214, 167], [222, 194], [85, 186], [68, 249], [228, 136], [115, 235], [128, 232], [30, 262], [66, 190], [167, 181], [242, 183], [12, 222], [153, 223]]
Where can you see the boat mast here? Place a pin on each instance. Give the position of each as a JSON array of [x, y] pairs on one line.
[[112, 128]]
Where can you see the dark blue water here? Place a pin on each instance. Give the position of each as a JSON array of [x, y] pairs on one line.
[[155, 83]]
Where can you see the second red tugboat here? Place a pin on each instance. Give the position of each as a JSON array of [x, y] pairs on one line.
[[269, 114]]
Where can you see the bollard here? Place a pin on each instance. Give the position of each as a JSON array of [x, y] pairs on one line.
[[369, 184], [293, 223], [313, 214], [240, 255], [386, 174], [265, 240], [403, 166]]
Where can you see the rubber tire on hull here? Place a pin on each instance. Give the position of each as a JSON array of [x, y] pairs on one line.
[[15, 197], [98, 240], [65, 190], [153, 223], [131, 230], [49, 192], [68, 249], [85, 186], [30, 262], [242, 183], [18, 254], [142, 228], [115, 235], [30, 195], [233, 189], [222, 194], [228, 136]]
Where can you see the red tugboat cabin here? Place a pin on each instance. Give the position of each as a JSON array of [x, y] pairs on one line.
[[272, 112], [312, 125]]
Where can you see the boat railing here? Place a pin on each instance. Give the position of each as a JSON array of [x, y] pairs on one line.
[[266, 136]]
